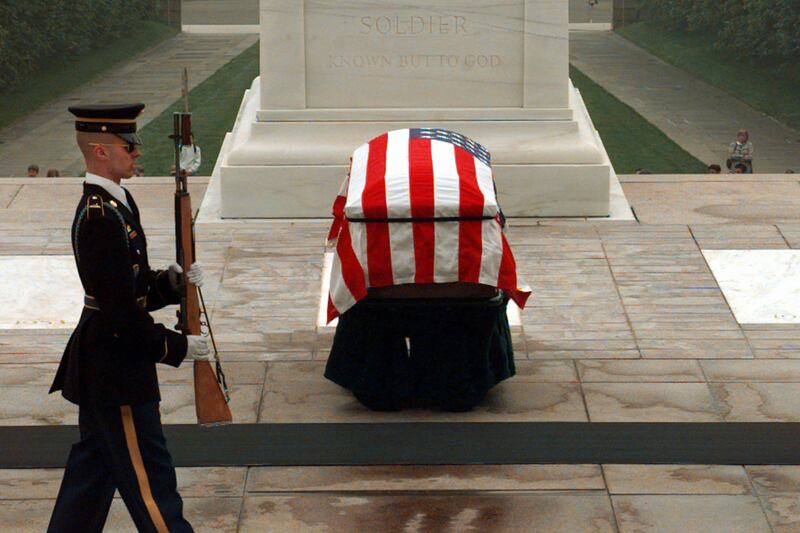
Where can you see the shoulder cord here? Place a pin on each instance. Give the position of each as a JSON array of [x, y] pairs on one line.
[[82, 216]]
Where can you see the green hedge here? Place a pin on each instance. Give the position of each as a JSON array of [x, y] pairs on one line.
[[754, 29], [34, 31]]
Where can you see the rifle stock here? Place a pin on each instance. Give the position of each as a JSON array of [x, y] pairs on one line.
[[210, 402]]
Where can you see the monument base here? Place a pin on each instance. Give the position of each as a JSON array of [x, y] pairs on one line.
[[552, 167]]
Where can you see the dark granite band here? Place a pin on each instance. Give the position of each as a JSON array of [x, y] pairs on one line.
[[438, 443]]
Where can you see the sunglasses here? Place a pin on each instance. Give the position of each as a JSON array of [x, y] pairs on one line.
[[129, 146]]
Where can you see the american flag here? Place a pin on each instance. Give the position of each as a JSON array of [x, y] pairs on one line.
[[456, 139], [419, 206]]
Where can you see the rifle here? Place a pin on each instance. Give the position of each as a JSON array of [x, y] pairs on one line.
[[210, 388]]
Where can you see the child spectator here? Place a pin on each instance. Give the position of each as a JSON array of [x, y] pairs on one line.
[[741, 151], [33, 170]]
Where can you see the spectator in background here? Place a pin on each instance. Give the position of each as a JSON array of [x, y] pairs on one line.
[[53, 173], [138, 171], [740, 168], [33, 171], [741, 151], [789, 171], [642, 171], [714, 169]]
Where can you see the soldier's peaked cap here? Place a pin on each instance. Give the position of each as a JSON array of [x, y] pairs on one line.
[[119, 119]]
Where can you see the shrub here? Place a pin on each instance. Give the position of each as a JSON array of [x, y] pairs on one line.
[[36, 31], [752, 29]]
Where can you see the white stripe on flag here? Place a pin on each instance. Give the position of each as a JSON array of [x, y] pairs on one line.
[[401, 241], [445, 179], [358, 239], [445, 263], [445, 194], [492, 252], [358, 180], [344, 186], [486, 185], [398, 201]]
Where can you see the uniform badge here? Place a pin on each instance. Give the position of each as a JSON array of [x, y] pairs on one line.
[[131, 232], [94, 205]]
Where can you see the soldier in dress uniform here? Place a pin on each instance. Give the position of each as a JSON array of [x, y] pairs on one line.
[[109, 365]]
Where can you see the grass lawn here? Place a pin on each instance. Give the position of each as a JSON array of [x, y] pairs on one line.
[[214, 104], [62, 75], [768, 88], [631, 141]]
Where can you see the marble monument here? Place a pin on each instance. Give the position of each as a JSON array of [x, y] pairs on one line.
[[335, 74]]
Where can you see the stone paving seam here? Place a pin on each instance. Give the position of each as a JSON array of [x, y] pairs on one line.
[[244, 495], [14, 197], [621, 300], [741, 330], [788, 245], [261, 394], [760, 498], [608, 495]]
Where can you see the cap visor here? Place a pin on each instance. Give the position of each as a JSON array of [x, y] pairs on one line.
[[130, 137]]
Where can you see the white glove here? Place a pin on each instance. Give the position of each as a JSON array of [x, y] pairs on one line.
[[191, 157], [195, 275], [174, 272], [197, 348]]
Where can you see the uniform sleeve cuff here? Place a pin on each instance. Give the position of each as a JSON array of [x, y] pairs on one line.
[[175, 346]]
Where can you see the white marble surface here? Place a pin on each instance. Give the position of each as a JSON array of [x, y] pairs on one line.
[[335, 75], [373, 54], [325, 54], [39, 292], [298, 173], [761, 286]]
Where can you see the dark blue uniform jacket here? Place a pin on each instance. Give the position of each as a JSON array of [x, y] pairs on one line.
[[114, 349]]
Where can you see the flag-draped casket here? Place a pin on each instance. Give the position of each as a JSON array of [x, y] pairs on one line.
[[419, 206]]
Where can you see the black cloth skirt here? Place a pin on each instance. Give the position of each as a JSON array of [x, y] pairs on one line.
[[441, 354]]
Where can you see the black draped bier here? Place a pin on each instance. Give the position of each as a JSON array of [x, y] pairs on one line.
[[429, 353]]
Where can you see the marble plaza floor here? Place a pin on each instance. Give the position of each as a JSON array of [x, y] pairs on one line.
[[486, 499], [627, 323]]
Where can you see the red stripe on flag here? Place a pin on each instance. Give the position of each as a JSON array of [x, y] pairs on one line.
[[508, 268], [352, 272], [420, 184], [470, 204], [373, 202], [470, 201], [332, 311], [507, 280], [338, 216]]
